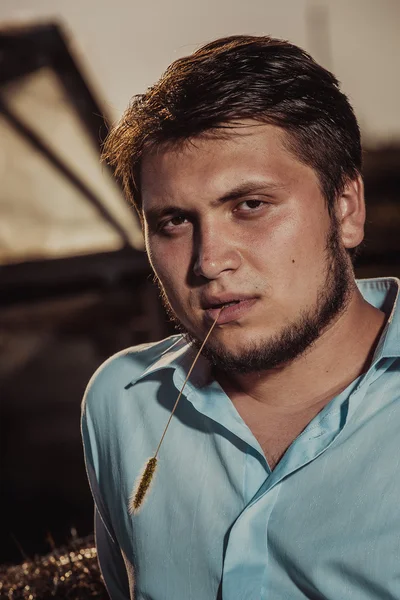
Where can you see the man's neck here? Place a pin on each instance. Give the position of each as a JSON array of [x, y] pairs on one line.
[[342, 353]]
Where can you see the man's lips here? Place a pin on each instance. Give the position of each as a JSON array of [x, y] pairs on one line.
[[233, 308], [208, 301]]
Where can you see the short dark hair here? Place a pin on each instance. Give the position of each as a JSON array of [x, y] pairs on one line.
[[240, 77]]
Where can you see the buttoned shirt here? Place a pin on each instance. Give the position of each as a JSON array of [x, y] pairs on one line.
[[217, 522]]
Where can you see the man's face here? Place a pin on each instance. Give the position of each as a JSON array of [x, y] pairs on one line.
[[240, 220]]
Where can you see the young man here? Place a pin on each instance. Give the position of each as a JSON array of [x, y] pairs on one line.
[[279, 476]]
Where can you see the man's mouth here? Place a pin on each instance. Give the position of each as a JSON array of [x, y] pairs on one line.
[[210, 302], [233, 308], [223, 304]]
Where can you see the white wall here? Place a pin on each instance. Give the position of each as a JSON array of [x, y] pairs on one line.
[[366, 58], [126, 44]]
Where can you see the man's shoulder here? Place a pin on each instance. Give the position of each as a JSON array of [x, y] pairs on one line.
[[126, 366]]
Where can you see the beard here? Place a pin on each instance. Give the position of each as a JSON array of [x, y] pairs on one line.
[[293, 340]]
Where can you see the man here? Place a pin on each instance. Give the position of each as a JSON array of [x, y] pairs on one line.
[[279, 476]]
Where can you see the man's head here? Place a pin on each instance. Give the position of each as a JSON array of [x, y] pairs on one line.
[[243, 162]]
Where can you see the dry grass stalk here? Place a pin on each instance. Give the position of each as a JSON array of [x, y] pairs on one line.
[[140, 491]]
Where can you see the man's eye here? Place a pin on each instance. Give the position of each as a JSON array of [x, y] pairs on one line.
[[173, 223], [250, 205]]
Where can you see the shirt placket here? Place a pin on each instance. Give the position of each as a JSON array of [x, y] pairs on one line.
[[245, 571]]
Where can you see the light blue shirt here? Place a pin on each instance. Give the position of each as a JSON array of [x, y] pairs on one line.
[[217, 523]]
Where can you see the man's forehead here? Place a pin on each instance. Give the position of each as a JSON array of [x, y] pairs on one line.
[[229, 132], [218, 162]]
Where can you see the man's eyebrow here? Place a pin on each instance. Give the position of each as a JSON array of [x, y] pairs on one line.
[[153, 215], [248, 187]]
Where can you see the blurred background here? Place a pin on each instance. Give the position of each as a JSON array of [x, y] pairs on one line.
[[75, 285]]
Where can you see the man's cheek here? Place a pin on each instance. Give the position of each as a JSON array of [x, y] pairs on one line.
[[173, 292]]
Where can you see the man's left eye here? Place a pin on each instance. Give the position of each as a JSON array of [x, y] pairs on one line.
[[249, 205]]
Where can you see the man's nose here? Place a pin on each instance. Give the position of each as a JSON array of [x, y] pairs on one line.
[[215, 253]]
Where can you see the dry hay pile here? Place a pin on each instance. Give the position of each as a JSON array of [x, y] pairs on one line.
[[70, 572]]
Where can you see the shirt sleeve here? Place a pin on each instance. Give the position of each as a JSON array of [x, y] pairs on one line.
[[111, 562]]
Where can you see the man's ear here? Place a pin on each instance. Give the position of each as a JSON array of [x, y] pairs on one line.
[[350, 211]]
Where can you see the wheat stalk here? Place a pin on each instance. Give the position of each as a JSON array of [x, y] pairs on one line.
[[146, 478]]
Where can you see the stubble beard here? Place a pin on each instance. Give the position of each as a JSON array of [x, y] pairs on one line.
[[293, 340]]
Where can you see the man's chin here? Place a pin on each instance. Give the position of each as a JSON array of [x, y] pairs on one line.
[[228, 340], [229, 357]]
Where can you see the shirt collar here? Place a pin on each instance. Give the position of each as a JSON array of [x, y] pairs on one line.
[[179, 357], [383, 293]]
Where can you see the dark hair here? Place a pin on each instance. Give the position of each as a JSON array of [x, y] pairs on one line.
[[269, 80]]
